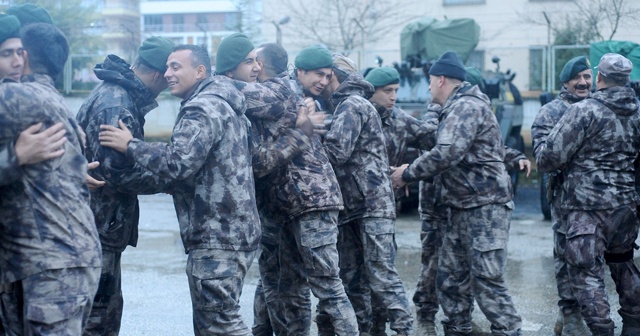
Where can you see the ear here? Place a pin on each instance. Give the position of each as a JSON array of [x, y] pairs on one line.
[[201, 72], [26, 69]]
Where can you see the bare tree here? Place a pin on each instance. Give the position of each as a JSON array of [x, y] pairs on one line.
[[344, 25], [590, 21]]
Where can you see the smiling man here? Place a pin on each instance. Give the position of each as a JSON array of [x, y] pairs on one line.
[[577, 79], [209, 159], [313, 74]]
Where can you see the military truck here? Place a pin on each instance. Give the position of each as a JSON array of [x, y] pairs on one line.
[[421, 43]]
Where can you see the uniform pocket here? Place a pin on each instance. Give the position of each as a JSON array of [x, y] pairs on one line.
[[490, 257], [581, 245], [381, 241], [49, 311]]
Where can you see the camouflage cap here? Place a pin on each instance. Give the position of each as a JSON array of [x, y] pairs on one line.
[[344, 63], [573, 67], [9, 27], [30, 13], [615, 65], [379, 77]]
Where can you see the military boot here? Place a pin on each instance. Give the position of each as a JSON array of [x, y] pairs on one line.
[[573, 325], [602, 329], [557, 328], [630, 324]]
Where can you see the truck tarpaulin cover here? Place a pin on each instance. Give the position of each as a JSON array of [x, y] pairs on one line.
[[627, 49], [430, 38]]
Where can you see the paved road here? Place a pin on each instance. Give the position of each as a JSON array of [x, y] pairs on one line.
[[157, 296]]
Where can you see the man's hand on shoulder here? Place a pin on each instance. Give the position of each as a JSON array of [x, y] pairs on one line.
[[35, 146], [116, 138]]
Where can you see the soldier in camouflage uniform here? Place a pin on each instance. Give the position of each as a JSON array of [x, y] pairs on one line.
[[298, 185], [32, 145], [576, 77], [49, 249], [356, 147], [475, 186], [595, 144], [127, 93], [214, 194], [401, 131]]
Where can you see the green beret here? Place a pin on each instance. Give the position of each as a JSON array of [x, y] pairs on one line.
[[9, 27], [154, 52], [30, 13], [232, 51], [573, 67], [379, 77], [314, 57], [474, 76]]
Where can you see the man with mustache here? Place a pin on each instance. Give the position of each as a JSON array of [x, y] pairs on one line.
[[596, 144], [577, 79]]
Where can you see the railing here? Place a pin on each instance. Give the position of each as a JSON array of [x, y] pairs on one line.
[[187, 27]]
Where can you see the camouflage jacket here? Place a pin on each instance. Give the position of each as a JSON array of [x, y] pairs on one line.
[[468, 153], [356, 148], [121, 96], [209, 157], [595, 144], [548, 117], [402, 131], [293, 174], [9, 167], [45, 218]]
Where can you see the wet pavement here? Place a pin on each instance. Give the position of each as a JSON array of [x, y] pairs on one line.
[[156, 293]]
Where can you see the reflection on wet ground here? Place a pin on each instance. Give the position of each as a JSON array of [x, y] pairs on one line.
[[157, 300]]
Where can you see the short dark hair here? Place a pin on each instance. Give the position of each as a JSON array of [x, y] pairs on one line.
[[199, 55], [614, 80], [274, 58], [47, 48]]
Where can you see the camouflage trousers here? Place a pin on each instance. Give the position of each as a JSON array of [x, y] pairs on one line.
[[106, 313], [267, 305], [567, 302], [308, 259], [52, 302], [472, 263], [367, 268], [593, 239], [216, 278]]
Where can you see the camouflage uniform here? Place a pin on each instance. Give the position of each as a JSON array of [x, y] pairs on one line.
[[475, 186], [9, 166], [356, 148], [595, 144], [122, 96], [214, 199], [49, 247], [297, 184], [401, 131], [549, 116]]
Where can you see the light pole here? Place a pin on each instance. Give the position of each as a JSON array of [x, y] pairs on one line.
[[282, 21]]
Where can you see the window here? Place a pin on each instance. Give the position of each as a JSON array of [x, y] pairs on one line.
[[153, 23], [462, 2], [231, 20], [178, 22], [476, 59], [536, 68]]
